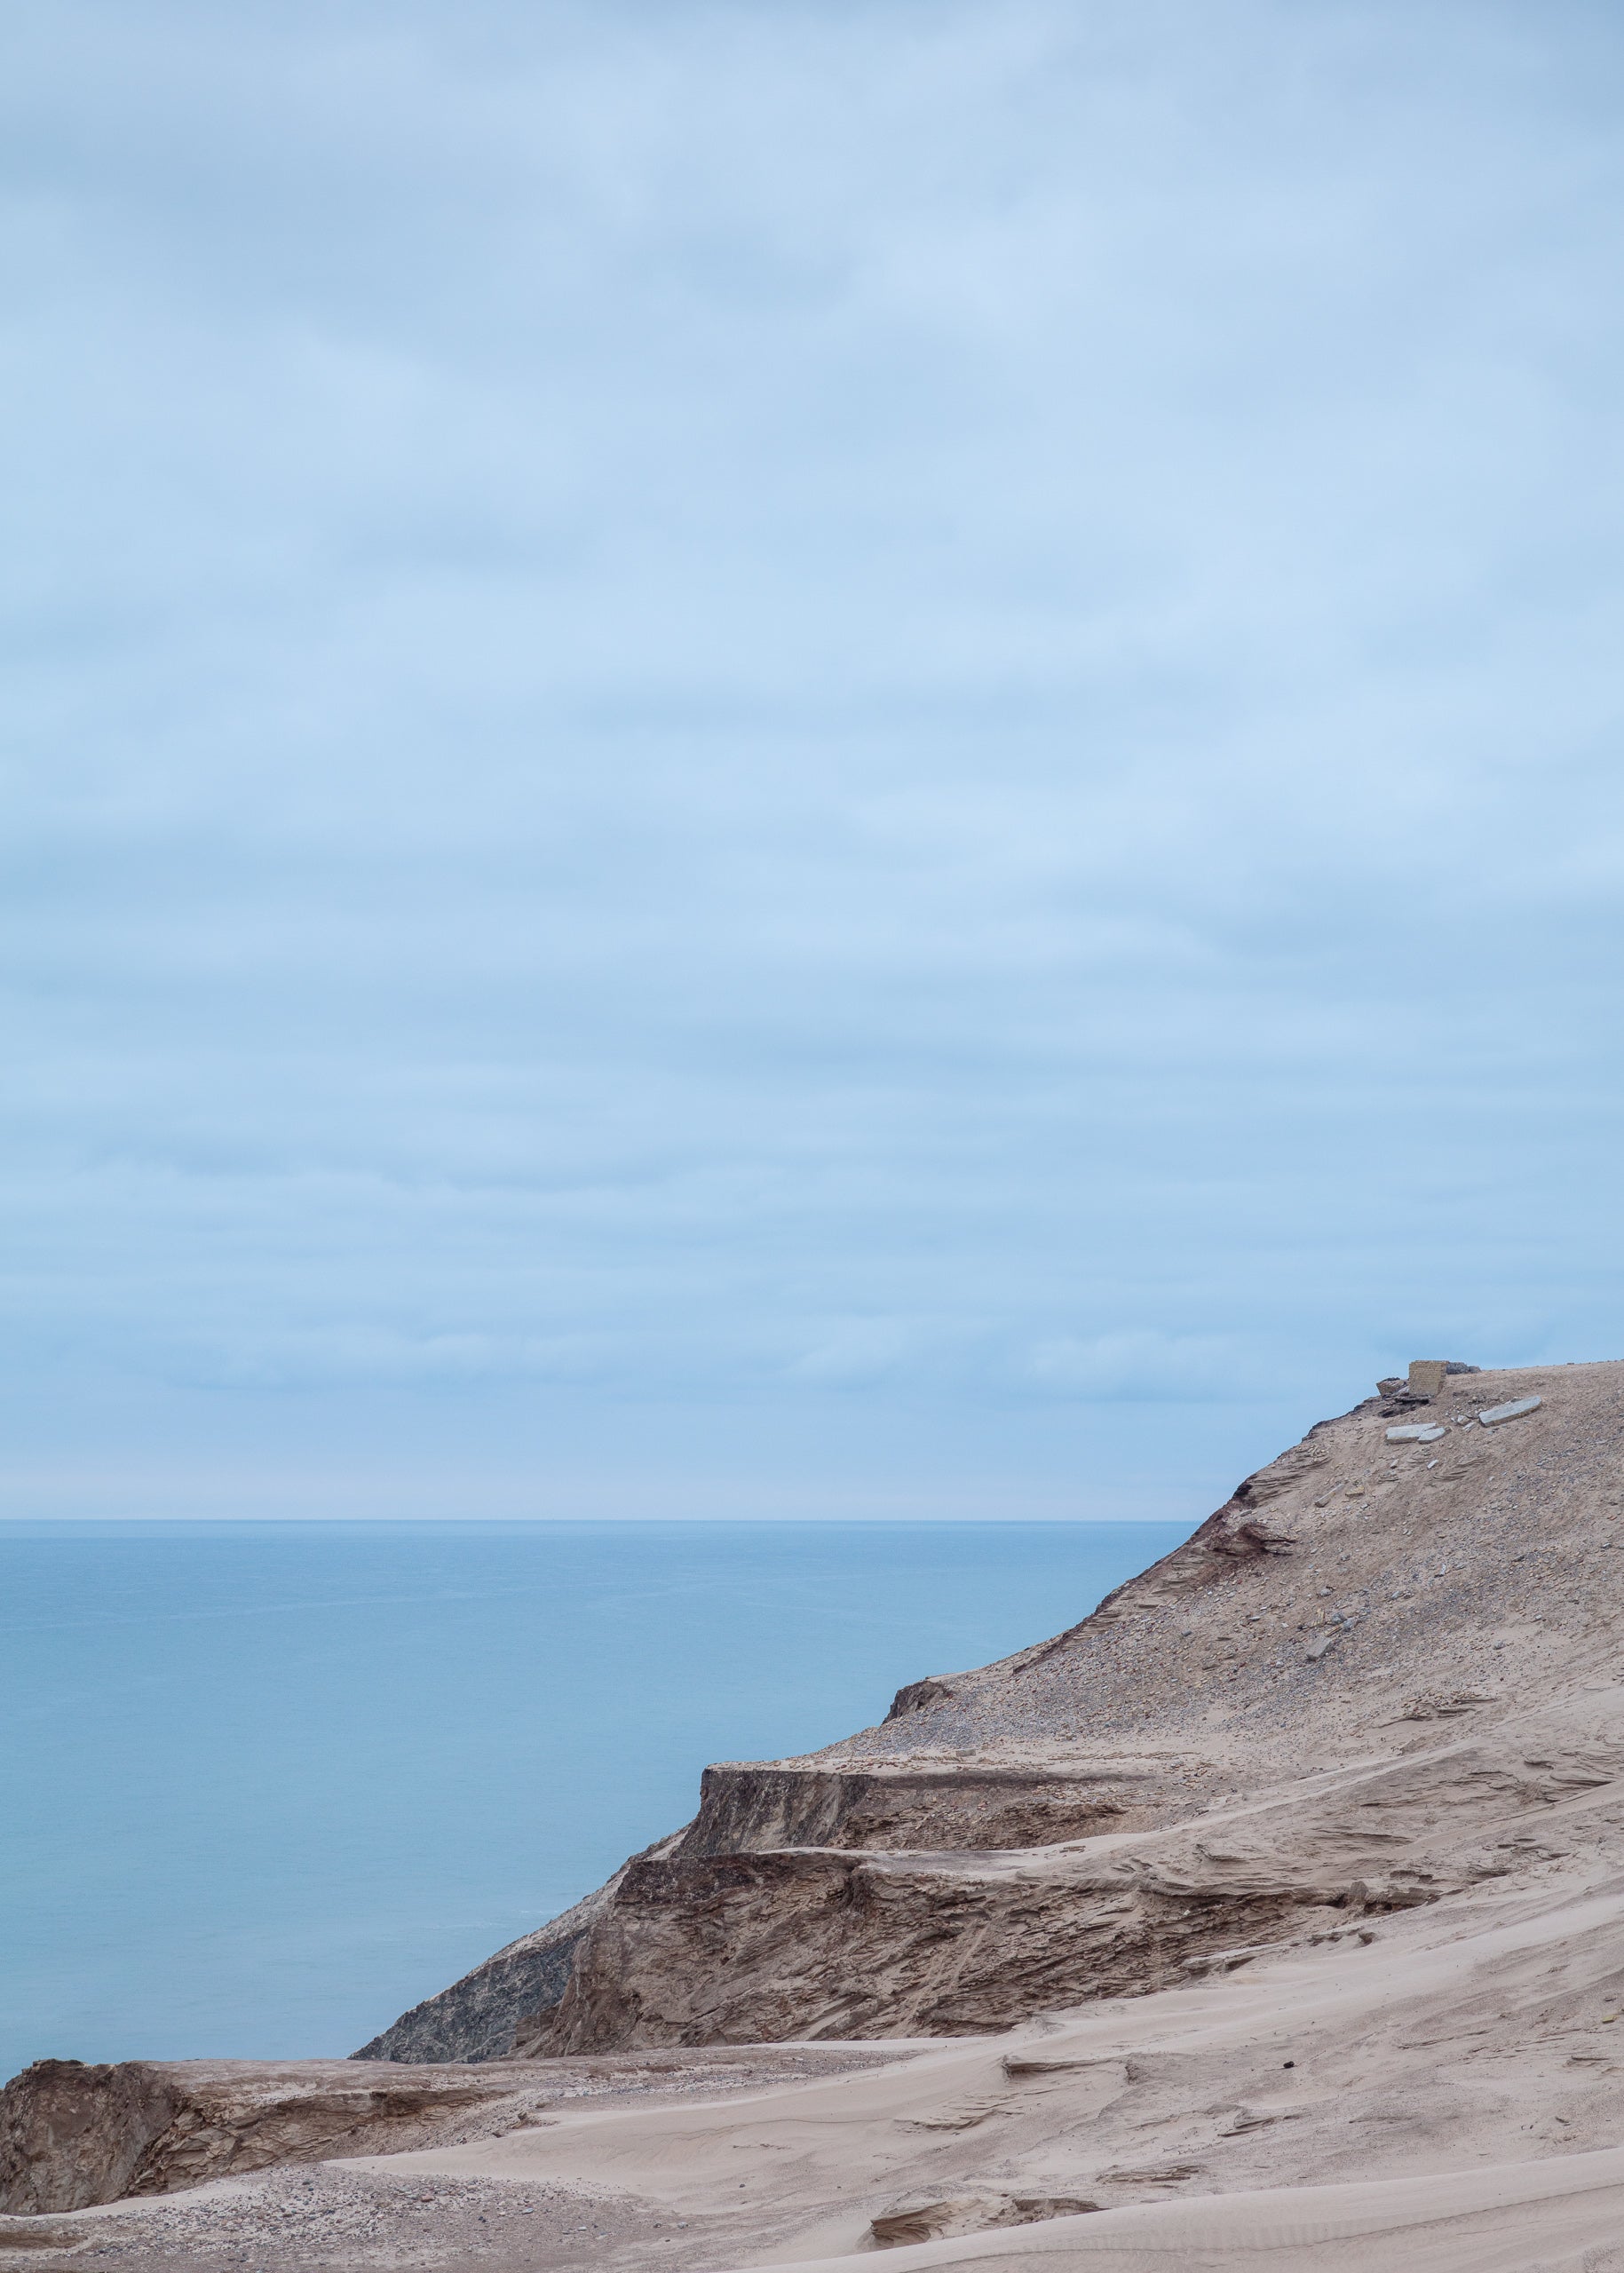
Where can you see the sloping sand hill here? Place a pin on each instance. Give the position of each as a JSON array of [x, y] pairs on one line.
[[1272, 1916]]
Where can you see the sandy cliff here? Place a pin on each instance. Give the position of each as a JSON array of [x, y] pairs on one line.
[[1273, 1914], [1040, 1831]]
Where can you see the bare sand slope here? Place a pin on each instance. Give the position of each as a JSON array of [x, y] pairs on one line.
[[1475, 2221], [1274, 1915], [1041, 1830], [1465, 2048]]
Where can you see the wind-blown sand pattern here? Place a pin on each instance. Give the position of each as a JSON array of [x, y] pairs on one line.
[[1272, 1916]]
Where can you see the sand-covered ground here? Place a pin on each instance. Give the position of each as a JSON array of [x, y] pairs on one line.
[[1339, 1984]]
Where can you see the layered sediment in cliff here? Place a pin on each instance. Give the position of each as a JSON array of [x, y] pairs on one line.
[[72, 2135], [1029, 1832], [75, 2136], [1360, 1742]]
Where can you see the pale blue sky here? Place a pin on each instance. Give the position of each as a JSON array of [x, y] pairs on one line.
[[792, 759]]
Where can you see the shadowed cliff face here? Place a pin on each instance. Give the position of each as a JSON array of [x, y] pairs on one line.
[[747, 1808], [489, 2014]]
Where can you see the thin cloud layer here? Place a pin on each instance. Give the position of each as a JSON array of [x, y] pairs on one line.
[[794, 754]]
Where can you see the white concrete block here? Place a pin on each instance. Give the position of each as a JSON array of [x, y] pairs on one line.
[[1514, 1411]]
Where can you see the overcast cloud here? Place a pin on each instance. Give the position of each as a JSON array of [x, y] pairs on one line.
[[798, 758]]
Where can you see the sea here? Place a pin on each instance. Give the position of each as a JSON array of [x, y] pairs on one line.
[[262, 1786]]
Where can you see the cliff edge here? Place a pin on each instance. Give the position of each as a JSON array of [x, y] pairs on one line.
[[1273, 1912], [1033, 1832]]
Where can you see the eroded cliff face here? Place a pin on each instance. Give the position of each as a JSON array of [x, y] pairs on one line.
[[1333, 1795], [73, 2135], [1001, 1841], [748, 1806], [76, 2137], [1031, 1833], [814, 1943]]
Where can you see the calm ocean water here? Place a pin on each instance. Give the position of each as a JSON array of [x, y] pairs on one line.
[[262, 1786]]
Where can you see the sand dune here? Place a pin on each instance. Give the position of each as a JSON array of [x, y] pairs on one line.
[[1272, 1916], [1468, 2221]]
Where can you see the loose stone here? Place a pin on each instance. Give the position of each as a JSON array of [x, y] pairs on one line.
[[1514, 1411]]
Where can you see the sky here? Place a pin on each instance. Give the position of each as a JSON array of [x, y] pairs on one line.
[[799, 759]]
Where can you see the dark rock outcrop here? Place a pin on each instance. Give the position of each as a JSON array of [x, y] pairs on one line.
[[73, 2135], [496, 2010], [478, 2017]]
